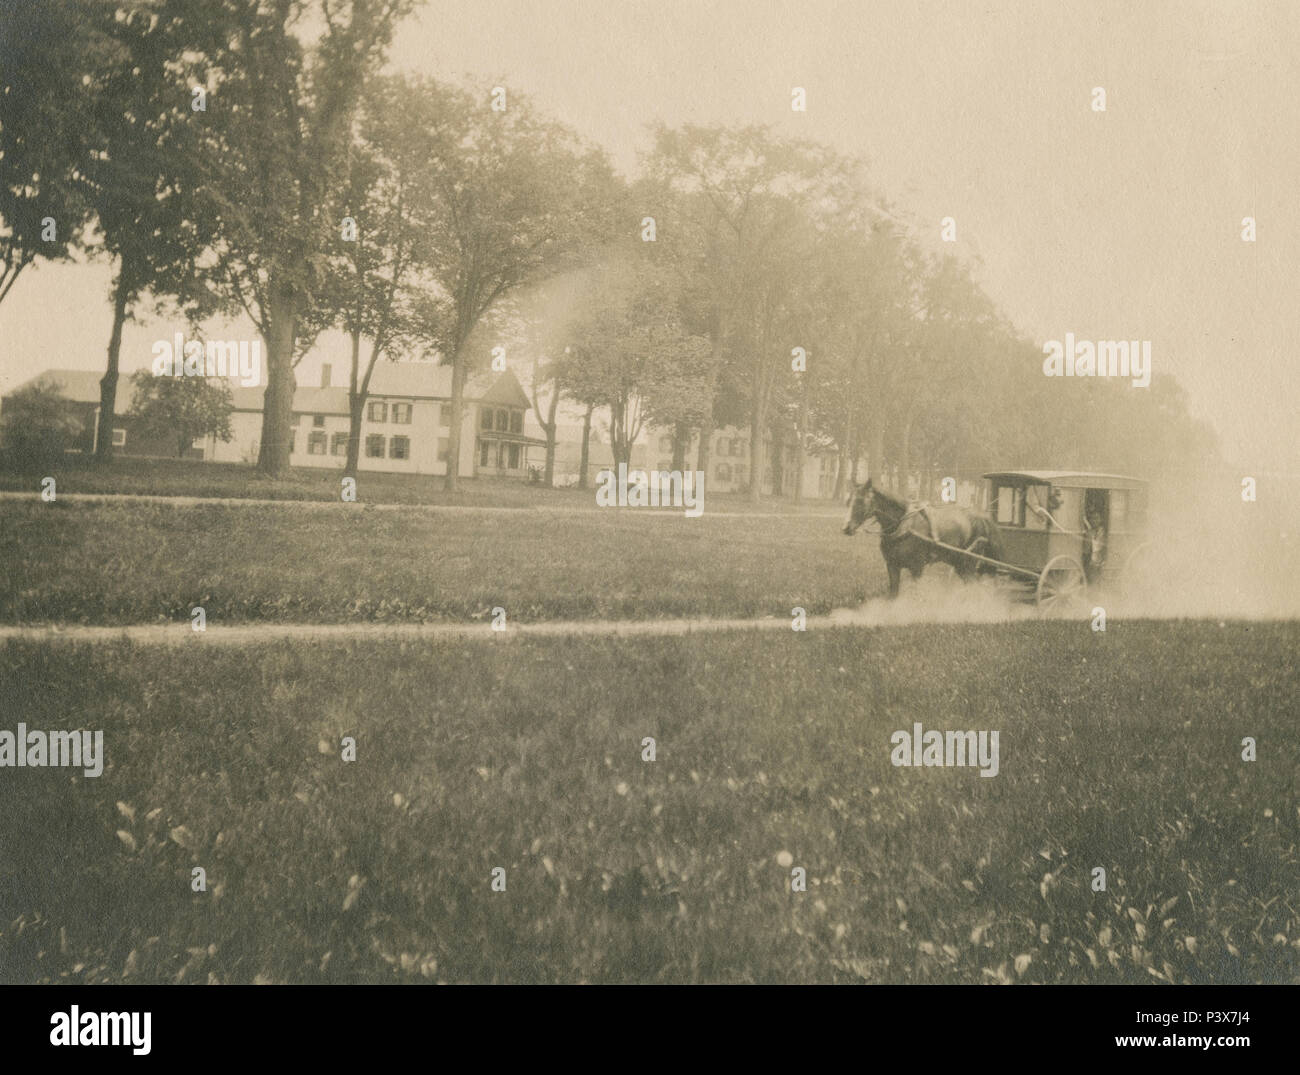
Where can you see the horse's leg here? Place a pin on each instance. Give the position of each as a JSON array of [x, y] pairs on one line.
[[895, 577]]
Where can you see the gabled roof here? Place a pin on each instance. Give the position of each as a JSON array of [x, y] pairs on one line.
[[82, 386], [506, 391], [1080, 479]]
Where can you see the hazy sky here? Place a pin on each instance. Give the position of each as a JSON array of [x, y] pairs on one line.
[[1124, 224]]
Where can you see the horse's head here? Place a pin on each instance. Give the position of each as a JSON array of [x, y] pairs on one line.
[[859, 504]]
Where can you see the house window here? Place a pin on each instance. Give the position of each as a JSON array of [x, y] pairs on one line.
[[377, 411], [316, 444], [485, 421], [399, 448], [514, 457], [723, 472], [339, 445], [119, 438], [444, 415], [503, 420], [444, 449], [516, 421], [318, 421], [483, 448], [738, 474], [402, 414], [375, 446]]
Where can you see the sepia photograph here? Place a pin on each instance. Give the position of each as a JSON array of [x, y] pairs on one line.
[[649, 492]]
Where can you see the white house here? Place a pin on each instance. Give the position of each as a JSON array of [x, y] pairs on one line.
[[404, 426]]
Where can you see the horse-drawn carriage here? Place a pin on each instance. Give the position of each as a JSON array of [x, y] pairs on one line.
[[1050, 534]]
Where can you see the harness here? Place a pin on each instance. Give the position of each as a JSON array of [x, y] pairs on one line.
[[922, 508], [895, 533]]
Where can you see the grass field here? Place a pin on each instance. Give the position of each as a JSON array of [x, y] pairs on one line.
[[1120, 750], [131, 562], [188, 478]]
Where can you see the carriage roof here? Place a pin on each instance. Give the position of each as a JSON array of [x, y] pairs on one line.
[[1070, 479]]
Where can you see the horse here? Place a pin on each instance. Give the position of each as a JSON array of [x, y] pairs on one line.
[[905, 528]]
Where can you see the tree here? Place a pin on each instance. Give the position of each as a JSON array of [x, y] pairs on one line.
[[139, 154], [39, 423], [280, 123], [511, 199], [44, 112], [632, 354], [749, 205], [182, 407], [372, 273]]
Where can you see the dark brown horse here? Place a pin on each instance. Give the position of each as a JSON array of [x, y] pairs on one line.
[[905, 527]]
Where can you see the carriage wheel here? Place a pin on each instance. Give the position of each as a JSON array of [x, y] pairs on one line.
[[1062, 584]]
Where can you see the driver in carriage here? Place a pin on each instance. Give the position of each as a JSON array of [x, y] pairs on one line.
[[1094, 544]]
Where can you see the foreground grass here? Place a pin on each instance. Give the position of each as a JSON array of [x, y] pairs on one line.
[[190, 478], [118, 563], [1119, 750]]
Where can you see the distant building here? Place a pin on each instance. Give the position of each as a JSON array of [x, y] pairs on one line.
[[404, 425], [731, 470]]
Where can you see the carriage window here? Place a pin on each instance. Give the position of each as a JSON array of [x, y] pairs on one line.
[[1010, 501], [1036, 503]]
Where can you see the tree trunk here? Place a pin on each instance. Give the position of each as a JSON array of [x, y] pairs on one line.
[[876, 461], [586, 442], [356, 405], [801, 445], [277, 409], [755, 454], [681, 439], [842, 462], [905, 459], [108, 383], [551, 428], [702, 455], [452, 483], [356, 409]]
